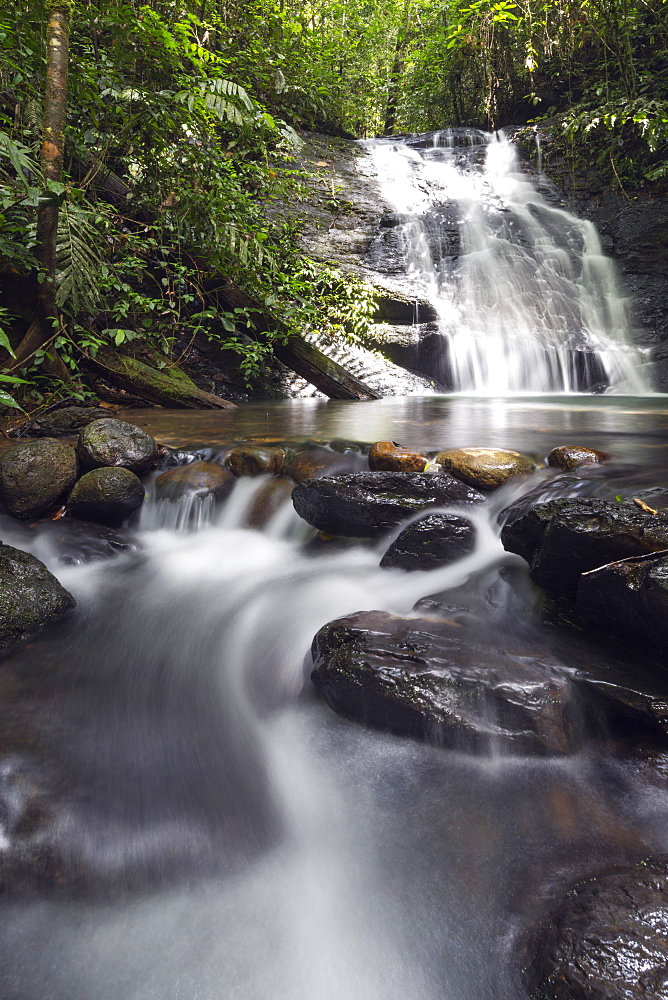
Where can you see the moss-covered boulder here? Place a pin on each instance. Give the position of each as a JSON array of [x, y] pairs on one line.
[[433, 541], [115, 443], [254, 460], [569, 456], [198, 479], [64, 422], [484, 468], [106, 495], [36, 476], [30, 596]]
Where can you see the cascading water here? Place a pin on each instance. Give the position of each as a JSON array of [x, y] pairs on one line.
[[526, 300]]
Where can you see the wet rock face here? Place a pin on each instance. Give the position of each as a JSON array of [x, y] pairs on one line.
[[36, 476], [106, 495], [484, 468], [253, 460], [366, 505], [564, 538], [437, 681], [114, 443], [608, 940], [630, 598], [568, 457], [30, 596], [431, 542], [199, 479]]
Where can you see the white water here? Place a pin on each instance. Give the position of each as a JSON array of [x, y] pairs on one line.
[[324, 861], [527, 301]]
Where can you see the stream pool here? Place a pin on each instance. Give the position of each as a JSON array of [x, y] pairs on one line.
[[207, 829]]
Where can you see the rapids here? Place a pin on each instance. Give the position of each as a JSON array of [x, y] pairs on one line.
[[236, 839]]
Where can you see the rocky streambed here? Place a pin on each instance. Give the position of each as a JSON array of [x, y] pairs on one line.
[[555, 649]]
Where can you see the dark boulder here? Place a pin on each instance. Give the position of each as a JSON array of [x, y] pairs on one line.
[[367, 504], [564, 538], [198, 479], [444, 682], [114, 443], [30, 596], [608, 940], [629, 598], [106, 495], [568, 457], [433, 541], [36, 476]]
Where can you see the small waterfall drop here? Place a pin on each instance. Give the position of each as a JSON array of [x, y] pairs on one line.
[[525, 297]]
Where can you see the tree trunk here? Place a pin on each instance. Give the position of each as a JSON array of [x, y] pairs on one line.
[[53, 148]]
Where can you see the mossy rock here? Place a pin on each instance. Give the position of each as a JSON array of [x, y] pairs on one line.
[[36, 476], [115, 443], [106, 495], [30, 596]]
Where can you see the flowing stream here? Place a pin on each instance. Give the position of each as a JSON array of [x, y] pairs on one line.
[[225, 835], [526, 300]]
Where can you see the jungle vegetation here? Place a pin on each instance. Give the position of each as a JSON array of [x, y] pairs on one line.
[[141, 144]]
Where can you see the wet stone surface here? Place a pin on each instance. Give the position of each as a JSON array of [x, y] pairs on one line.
[[367, 505], [563, 538], [433, 541], [608, 940]]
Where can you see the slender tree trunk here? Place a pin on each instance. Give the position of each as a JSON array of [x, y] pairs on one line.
[[53, 148]]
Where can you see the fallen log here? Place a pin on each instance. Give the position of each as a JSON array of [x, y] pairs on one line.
[[297, 354], [172, 388]]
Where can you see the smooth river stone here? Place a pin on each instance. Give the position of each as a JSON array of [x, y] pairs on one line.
[[484, 468], [367, 504], [433, 541], [117, 444], [36, 476], [30, 596]]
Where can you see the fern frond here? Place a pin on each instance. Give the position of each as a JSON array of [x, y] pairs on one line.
[[77, 259]]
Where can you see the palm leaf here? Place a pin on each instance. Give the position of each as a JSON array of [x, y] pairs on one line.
[[77, 259]]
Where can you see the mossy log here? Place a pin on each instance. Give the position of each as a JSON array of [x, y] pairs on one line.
[[168, 387], [301, 357]]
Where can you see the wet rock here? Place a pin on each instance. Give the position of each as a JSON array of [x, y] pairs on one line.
[[173, 458], [433, 541], [386, 456], [608, 940], [106, 495], [484, 468], [629, 598], [75, 542], [63, 422], [568, 457], [564, 538], [252, 460], [30, 596], [114, 443], [198, 479], [271, 496], [315, 462], [367, 504], [36, 476], [442, 681]]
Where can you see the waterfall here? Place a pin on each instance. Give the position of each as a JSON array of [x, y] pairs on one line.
[[525, 297]]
